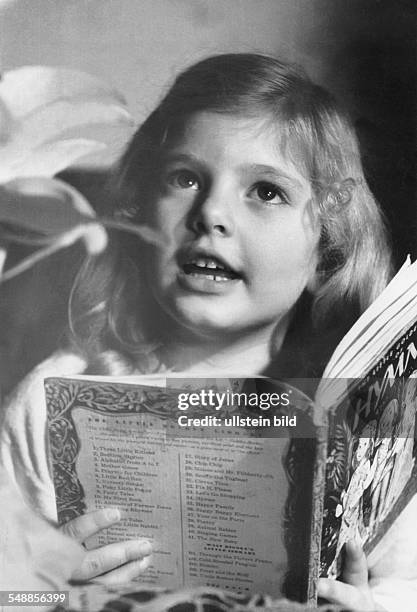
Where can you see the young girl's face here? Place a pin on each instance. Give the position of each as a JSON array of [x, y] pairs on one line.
[[239, 231]]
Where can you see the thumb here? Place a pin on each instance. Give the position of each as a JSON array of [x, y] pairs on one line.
[[355, 571]]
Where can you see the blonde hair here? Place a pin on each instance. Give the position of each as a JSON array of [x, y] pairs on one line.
[[354, 258]]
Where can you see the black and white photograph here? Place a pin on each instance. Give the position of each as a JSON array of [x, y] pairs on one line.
[[208, 305]]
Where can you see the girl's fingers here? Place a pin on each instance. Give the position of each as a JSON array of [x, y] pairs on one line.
[[354, 591], [355, 570], [112, 557], [86, 525], [120, 561], [343, 594], [126, 573]]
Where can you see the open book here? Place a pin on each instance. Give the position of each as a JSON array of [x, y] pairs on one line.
[[247, 484]]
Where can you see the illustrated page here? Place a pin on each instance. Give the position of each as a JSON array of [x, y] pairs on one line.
[[371, 465]]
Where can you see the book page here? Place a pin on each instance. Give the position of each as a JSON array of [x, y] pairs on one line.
[[377, 328], [213, 502], [212, 507]]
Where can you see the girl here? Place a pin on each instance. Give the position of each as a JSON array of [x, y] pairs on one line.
[[252, 177]]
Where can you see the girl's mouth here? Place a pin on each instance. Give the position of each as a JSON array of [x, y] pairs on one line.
[[210, 268]]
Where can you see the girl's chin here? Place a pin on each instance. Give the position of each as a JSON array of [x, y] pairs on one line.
[[204, 327], [203, 321]]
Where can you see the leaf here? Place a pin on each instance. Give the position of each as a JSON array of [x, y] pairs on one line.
[[27, 88], [6, 123], [49, 122], [114, 137], [47, 206], [93, 235], [3, 255], [52, 117], [49, 159]]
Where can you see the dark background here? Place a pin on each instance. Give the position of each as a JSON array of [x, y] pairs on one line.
[[362, 50]]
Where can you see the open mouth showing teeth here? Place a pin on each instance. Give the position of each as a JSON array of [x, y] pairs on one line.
[[211, 269]]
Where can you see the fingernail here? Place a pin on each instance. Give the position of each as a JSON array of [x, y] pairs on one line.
[[350, 545], [145, 547], [145, 563], [355, 541], [112, 514], [354, 547]]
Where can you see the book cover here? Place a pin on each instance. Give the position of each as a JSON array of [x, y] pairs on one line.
[[371, 470]]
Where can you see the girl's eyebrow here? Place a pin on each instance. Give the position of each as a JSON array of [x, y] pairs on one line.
[[274, 173], [172, 157]]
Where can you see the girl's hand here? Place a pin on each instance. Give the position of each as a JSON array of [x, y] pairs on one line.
[[111, 564], [353, 592]]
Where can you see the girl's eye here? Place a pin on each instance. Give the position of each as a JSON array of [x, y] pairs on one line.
[[184, 179], [268, 192]]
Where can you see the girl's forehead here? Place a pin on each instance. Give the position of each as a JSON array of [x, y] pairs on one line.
[[232, 125], [252, 138]]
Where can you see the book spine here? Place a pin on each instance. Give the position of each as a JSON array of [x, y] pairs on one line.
[[316, 527]]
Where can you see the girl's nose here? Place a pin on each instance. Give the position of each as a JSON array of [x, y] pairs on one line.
[[214, 214]]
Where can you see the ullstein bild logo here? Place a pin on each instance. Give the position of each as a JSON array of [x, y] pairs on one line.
[[238, 421]]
